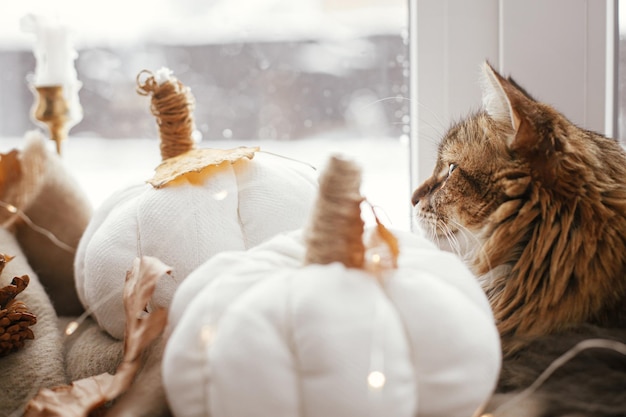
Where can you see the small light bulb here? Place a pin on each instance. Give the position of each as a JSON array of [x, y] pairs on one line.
[[207, 333], [71, 328], [376, 258], [376, 380], [11, 208], [220, 195]]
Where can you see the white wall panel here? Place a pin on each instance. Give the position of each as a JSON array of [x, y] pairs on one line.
[[557, 49], [453, 37]]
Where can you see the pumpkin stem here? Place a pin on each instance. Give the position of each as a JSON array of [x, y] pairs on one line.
[[336, 230], [172, 104]]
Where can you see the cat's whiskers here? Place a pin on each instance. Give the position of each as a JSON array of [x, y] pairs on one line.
[[429, 224], [437, 118], [471, 254], [437, 235], [437, 229], [436, 239], [434, 236], [437, 129], [430, 139], [442, 125], [453, 242]]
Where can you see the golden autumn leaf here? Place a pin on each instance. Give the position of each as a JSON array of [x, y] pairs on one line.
[[385, 245], [391, 241], [10, 170], [196, 161], [82, 397]]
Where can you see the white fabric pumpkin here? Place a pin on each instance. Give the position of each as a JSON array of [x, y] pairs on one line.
[[236, 207], [257, 334]]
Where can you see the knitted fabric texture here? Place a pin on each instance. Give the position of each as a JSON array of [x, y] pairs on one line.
[[40, 363], [59, 205]]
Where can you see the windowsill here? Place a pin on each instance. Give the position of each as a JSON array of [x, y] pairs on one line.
[[102, 166]]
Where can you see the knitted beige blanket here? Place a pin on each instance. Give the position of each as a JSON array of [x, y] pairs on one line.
[[40, 363]]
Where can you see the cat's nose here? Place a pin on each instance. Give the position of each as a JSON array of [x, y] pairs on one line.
[[420, 192], [415, 199]]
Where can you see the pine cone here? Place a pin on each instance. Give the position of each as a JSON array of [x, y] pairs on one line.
[[15, 319]]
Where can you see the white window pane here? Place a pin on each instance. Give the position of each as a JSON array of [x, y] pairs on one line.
[[304, 78]]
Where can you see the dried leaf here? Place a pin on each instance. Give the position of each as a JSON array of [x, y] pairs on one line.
[[22, 176], [10, 170], [384, 236], [390, 240], [142, 328], [8, 293], [196, 161], [4, 259], [74, 400]]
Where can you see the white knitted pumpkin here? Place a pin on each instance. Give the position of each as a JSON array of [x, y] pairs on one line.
[[235, 207], [259, 333]]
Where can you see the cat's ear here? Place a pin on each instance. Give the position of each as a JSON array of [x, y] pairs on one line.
[[500, 98], [510, 105]]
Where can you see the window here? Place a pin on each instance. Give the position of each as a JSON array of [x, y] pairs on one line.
[[302, 78]]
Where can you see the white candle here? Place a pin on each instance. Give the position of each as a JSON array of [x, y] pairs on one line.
[[53, 51], [55, 55]]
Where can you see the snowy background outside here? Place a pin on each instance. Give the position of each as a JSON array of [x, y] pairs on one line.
[[301, 78]]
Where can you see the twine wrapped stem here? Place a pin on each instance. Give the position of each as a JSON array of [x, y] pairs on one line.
[[172, 104], [336, 230]]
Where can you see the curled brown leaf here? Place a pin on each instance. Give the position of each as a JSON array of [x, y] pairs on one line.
[[4, 260], [8, 293], [82, 397], [390, 240]]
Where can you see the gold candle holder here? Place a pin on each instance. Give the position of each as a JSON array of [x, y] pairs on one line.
[[52, 109]]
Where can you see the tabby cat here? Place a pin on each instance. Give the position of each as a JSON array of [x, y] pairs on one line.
[[537, 208]]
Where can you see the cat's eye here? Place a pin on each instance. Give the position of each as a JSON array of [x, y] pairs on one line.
[[451, 168]]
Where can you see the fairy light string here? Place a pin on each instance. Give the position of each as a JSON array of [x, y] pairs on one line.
[[336, 235], [558, 363], [17, 212], [172, 105]]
